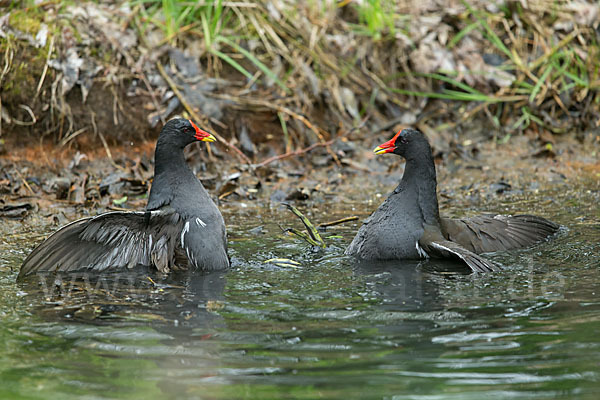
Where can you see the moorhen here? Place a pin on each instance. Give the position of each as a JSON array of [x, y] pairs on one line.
[[181, 227], [408, 224]]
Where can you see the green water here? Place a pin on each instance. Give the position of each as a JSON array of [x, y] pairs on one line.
[[329, 329]]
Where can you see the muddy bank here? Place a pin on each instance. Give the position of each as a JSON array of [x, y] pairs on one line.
[[63, 184], [272, 77], [298, 97]]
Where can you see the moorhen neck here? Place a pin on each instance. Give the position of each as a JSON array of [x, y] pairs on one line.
[[181, 228], [408, 224]]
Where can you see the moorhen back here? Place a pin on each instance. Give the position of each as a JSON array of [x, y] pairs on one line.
[[408, 225], [181, 227]]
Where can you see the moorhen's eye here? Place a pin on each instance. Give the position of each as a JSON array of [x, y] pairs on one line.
[[403, 140]]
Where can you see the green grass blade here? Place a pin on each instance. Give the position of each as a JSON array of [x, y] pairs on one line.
[[524, 85], [208, 40], [422, 94], [470, 96], [231, 62], [454, 82], [255, 61], [465, 31], [577, 79], [182, 17], [539, 83], [218, 11], [489, 32], [284, 129], [567, 87], [523, 120], [458, 96]]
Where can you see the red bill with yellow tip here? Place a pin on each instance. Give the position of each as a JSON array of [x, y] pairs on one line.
[[388, 146], [202, 135]]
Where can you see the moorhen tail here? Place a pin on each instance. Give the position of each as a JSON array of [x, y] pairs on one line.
[[408, 225], [181, 227]]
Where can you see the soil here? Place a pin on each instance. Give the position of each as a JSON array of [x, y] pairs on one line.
[[97, 154], [79, 178]]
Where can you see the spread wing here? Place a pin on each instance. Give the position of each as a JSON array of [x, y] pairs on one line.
[[489, 233], [110, 241], [447, 249]]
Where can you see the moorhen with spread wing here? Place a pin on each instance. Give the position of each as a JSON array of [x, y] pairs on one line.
[[181, 227], [408, 224]]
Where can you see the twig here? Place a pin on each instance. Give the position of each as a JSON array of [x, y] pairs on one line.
[[25, 182], [338, 222], [536, 63], [304, 236], [115, 105], [31, 114], [309, 148], [388, 125], [104, 143], [279, 108], [193, 113], [130, 18], [43, 77], [8, 59], [72, 136], [224, 195], [319, 132], [152, 94], [294, 153]]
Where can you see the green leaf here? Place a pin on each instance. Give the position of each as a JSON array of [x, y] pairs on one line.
[[314, 237], [120, 201], [283, 262]]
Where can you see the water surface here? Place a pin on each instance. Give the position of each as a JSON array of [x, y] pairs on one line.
[[329, 328]]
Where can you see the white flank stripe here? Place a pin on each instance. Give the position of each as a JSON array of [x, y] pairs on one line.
[[186, 229], [199, 222], [422, 253]]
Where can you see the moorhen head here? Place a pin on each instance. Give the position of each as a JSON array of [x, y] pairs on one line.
[[407, 225], [181, 228], [407, 143], [179, 132]]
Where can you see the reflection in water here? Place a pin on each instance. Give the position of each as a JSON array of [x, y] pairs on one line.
[[330, 328], [156, 328], [409, 285], [184, 299]]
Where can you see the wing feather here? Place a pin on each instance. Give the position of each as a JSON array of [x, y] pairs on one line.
[[489, 233], [449, 249], [110, 241]]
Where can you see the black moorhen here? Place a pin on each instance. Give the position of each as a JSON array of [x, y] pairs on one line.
[[408, 224], [181, 227]]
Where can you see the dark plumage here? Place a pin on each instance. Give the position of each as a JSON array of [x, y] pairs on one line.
[[181, 227], [408, 225]]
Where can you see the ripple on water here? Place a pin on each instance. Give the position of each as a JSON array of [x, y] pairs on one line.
[[327, 329]]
